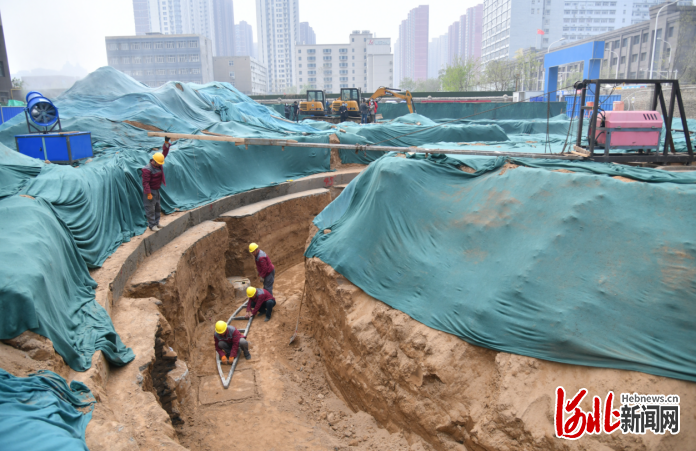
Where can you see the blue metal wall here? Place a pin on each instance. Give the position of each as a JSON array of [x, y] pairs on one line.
[[8, 112], [606, 103]]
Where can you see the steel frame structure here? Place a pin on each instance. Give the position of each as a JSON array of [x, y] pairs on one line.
[[644, 155]]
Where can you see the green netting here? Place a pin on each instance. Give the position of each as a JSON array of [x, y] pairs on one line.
[[80, 215], [576, 267], [42, 413], [45, 286], [435, 111]]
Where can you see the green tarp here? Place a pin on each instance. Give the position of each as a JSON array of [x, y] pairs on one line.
[[42, 413], [45, 286], [80, 215], [578, 268]]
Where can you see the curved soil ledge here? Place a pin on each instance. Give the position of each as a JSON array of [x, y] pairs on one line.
[[459, 396]]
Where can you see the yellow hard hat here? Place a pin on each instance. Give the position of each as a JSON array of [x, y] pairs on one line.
[[220, 327], [251, 292], [253, 247], [158, 157]]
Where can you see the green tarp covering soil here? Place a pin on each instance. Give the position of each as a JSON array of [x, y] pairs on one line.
[[42, 413], [576, 267], [75, 217]]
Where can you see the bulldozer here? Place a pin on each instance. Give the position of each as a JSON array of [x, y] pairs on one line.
[[314, 105]]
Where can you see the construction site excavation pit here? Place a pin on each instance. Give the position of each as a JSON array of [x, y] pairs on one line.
[[171, 396]]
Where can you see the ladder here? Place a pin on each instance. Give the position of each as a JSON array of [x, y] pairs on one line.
[[245, 332]]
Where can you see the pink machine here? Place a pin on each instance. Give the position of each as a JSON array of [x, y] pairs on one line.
[[629, 130]]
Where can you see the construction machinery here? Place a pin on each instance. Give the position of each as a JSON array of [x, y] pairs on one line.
[[352, 98], [635, 135], [314, 105], [396, 93]]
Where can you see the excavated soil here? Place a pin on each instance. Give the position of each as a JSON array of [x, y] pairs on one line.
[[459, 396], [360, 375], [278, 225], [172, 396]]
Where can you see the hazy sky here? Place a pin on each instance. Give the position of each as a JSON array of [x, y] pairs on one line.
[[50, 33]]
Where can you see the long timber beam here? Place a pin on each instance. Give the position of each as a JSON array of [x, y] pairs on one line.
[[361, 148]]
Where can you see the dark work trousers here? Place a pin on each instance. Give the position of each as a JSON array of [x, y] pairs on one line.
[[266, 307], [227, 348], [268, 282], [152, 208]]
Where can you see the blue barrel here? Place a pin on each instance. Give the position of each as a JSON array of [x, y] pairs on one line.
[[41, 110]]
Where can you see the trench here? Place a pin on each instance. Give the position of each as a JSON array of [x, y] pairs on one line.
[[282, 398]]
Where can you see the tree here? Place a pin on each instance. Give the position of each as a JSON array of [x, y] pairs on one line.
[[499, 75], [17, 83], [408, 84], [527, 67], [428, 85], [461, 75]]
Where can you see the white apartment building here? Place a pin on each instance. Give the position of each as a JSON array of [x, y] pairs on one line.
[[242, 72], [512, 25], [278, 31], [365, 62]]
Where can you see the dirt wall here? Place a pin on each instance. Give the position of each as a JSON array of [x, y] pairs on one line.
[[280, 229], [455, 395], [188, 277]]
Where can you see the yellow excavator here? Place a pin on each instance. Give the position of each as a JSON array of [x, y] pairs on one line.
[[351, 97], [314, 105], [391, 92]]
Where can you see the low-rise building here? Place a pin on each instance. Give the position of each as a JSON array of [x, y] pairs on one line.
[[628, 51], [364, 62], [154, 58], [243, 72]]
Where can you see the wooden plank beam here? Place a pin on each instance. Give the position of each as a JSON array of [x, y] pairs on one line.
[[197, 137], [358, 148]]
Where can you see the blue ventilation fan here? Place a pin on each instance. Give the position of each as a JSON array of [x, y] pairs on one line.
[[41, 112]]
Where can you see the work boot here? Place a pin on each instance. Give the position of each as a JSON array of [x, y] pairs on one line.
[[155, 229], [266, 319], [247, 356]]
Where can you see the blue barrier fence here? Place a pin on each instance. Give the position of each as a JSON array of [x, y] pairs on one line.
[[8, 112], [605, 102]]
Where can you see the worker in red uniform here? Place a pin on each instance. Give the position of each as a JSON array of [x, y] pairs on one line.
[[260, 301], [153, 178], [228, 340], [264, 267]]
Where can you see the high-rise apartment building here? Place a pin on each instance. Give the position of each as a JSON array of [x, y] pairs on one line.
[[143, 16], [244, 39], [223, 17], [438, 55], [464, 36], [512, 25], [453, 35], [307, 36], [365, 62], [213, 19], [278, 29], [413, 44], [471, 30]]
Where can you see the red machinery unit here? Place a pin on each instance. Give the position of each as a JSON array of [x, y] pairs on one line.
[[629, 129]]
